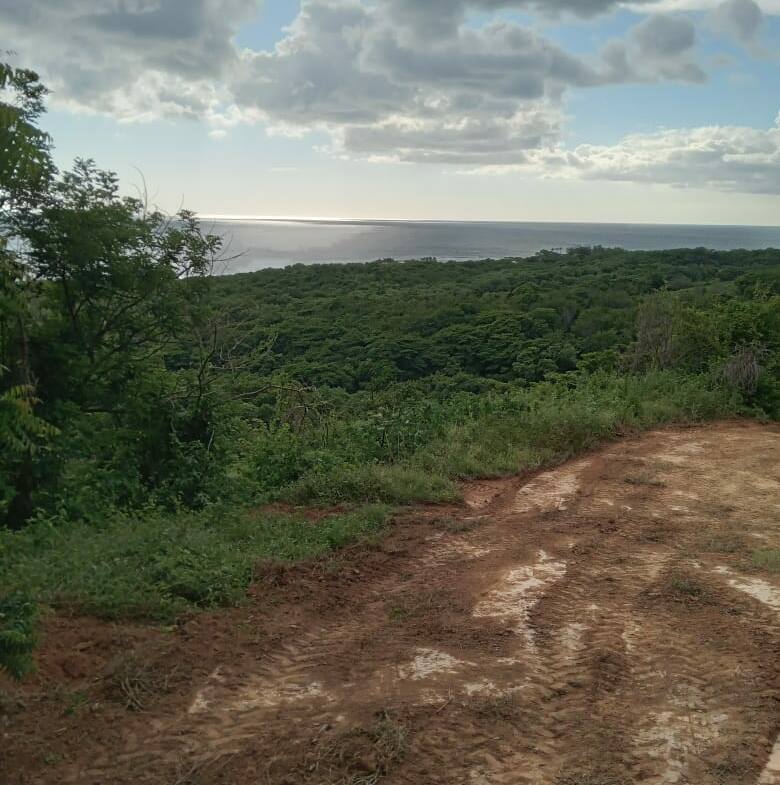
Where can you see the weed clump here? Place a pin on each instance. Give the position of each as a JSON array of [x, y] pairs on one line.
[[453, 525], [723, 542], [504, 706], [766, 559], [685, 586]]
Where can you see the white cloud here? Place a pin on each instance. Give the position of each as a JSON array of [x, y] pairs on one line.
[[389, 80], [463, 95], [723, 158]]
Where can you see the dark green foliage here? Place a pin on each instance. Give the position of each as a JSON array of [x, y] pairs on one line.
[[18, 615], [158, 566]]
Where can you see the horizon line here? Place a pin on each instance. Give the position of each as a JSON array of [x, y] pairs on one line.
[[335, 219]]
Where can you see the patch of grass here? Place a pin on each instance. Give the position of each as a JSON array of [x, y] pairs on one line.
[[766, 559], [453, 525], [158, 567], [374, 483], [723, 542], [685, 585], [513, 430], [733, 767], [74, 703], [18, 616], [505, 706]]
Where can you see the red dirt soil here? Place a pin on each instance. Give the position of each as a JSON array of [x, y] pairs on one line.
[[596, 624]]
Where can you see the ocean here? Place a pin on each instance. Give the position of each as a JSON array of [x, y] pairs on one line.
[[263, 243]]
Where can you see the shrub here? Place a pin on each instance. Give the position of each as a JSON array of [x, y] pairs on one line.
[[18, 615]]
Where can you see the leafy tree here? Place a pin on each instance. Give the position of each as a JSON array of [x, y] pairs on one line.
[[95, 289], [26, 170]]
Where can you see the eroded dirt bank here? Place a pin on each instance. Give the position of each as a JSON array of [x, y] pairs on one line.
[[600, 623]]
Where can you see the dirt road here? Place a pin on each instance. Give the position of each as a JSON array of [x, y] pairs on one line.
[[604, 622]]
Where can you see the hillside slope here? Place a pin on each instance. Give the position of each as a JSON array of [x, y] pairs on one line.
[[616, 619]]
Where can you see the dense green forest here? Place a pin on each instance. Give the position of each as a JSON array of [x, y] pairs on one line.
[[160, 425]]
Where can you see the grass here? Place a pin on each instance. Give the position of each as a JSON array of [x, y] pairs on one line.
[[723, 542], [158, 567], [417, 605], [685, 586], [505, 706], [766, 559], [373, 483], [517, 430]]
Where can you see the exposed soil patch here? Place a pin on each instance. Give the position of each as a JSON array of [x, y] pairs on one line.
[[597, 624]]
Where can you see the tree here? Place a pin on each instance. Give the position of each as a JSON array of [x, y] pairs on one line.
[[95, 290], [26, 170]]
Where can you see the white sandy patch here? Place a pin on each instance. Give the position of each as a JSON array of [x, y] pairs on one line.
[[550, 490], [455, 548], [480, 688], [760, 590], [269, 697], [680, 735], [771, 773], [429, 662], [200, 702], [571, 636], [253, 696], [519, 591]]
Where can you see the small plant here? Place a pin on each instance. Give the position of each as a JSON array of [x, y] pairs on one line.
[[417, 605], [766, 559], [18, 614], [504, 706], [723, 542], [685, 585], [76, 701]]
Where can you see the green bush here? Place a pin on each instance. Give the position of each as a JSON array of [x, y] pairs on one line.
[[158, 566], [18, 614], [519, 429]]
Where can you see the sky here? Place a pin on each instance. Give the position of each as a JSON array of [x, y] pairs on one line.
[[663, 111]]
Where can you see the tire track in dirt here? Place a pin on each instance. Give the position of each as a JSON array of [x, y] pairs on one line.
[[577, 630]]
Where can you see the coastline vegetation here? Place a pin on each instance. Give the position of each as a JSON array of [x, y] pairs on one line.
[[155, 418]]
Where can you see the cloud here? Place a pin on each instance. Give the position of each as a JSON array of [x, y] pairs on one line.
[[402, 80], [470, 141], [665, 44], [661, 47], [440, 18], [741, 19], [724, 158], [467, 95], [133, 59]]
